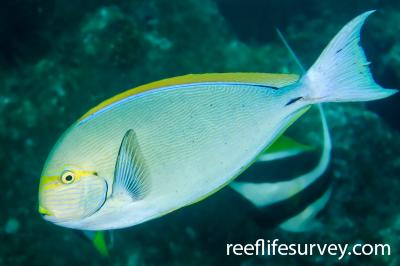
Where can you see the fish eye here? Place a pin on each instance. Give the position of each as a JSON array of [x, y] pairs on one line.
[[67, 177]]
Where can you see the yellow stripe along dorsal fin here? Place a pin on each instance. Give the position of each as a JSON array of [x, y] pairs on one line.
[[267, 79]]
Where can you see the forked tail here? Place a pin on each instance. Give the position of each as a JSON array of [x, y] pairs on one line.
[[341, 73]]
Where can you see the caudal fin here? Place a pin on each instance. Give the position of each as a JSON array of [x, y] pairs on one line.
[[341, 73]]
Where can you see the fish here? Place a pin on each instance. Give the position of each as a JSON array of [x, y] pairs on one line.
[[303, 195], [165, 145]]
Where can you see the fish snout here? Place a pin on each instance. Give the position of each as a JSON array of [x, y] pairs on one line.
[[44, 212]]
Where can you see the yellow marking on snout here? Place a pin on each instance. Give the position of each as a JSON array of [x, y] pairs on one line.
[[44, 211]]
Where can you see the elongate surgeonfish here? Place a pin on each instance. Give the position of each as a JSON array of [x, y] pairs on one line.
[[171, 143]]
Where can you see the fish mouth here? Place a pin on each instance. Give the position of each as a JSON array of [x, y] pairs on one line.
[[51, 217], [47, 216], [44, 212]]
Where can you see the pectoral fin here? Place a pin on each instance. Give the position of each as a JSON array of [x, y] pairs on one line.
[[130, 173]]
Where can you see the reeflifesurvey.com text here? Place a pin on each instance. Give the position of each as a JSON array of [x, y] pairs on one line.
[[275, 247]]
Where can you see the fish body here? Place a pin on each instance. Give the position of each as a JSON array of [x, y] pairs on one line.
[[193, 138], [169, 144]]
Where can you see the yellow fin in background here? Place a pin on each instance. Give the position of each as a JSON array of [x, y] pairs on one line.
[[267, 79], [283, 147], [100, 244]]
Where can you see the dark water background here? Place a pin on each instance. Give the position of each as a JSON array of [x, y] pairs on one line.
[[59, 58]]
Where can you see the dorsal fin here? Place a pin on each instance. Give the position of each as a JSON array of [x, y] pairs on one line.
[[272, 80], [291, 52]]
